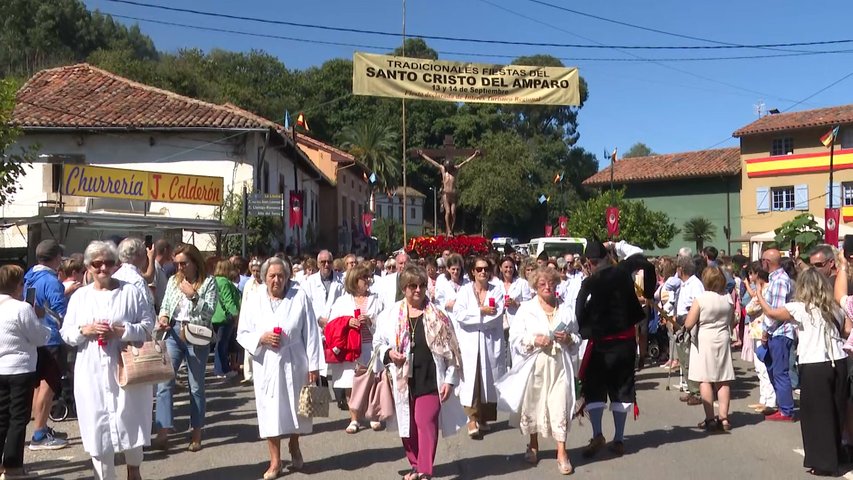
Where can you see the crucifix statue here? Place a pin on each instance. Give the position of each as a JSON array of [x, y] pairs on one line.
[[449, 170]]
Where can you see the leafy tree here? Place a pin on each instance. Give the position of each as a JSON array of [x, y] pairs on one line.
[[802, 231], [637, 224], [639, 149], [416, 48], [491, 186], [699, 230], [389, 234], [373, 144], [13, 160]]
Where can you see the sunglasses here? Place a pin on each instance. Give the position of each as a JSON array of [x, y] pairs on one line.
[[181, 264], [480, 269], [821, 264], [98, 264], [416, 286]]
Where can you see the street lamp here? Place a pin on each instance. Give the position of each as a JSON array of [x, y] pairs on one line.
[[434, 211]]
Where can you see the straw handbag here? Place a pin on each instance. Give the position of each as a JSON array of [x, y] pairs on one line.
[[146, 364], [314, 401]]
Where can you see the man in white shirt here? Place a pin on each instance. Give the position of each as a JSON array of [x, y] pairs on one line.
[[323, 288], [134, 260], [691, 287], [387, 289]]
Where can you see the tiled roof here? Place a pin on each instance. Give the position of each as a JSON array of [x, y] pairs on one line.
[[82, 96], [821, 117], [338, 155], [702, 163]]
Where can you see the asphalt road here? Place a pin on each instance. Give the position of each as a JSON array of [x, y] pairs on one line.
[[663, 443]]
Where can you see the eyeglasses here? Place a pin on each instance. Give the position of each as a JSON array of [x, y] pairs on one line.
[[480, 269], [181, 264], [416, 286], [98, 264], [321, 262], [821, 264]]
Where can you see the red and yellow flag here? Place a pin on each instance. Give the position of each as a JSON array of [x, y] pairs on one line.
[[302, 122], [829, 137]]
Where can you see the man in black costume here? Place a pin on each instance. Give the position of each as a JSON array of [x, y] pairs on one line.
[[607, 311]]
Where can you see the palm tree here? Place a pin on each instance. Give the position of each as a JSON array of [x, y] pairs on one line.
[[699, 230], [374, 145]]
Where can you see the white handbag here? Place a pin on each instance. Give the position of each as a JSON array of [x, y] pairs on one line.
[[197, 334]]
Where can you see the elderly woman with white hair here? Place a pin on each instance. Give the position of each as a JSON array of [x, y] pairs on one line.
[[277, 326], [134, 265], [101, 318]]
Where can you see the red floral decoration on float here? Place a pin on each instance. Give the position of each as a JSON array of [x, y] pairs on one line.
[[463, 244]]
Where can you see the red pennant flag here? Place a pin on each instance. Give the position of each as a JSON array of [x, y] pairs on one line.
[[564, 226], [549, 230], [613, 221], [831, 228], [295, 209], [367, 221]]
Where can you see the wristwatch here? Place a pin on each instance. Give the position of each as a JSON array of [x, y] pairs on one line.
[[194, 297]]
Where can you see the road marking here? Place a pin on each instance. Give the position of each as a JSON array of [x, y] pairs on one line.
[[848, 475]]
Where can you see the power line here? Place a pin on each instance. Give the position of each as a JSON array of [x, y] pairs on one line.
[[720, 45], [472, 54], [845, 77]]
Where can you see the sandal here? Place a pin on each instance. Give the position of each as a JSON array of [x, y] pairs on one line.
[[709, 425], [723, 424], [565, 468], [376, 426], [531, 456], [352, 427], [412, 475]]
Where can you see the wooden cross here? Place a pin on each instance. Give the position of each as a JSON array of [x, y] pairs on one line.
[[447, 151]]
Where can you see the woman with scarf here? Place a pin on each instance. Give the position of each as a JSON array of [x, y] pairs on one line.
[[417, 343], [540, 388], [278, 328]]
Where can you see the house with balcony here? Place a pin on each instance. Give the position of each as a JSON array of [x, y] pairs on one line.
[[786, 168]]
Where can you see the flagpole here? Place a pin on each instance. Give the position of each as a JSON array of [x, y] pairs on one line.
[[405, 222], [612, 192], [831, 185]]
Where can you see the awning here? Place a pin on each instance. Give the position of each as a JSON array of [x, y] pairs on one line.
[[129, 222]]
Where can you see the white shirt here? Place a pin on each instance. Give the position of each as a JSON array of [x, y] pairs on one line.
[[690, 289], [20, 333], [817, 343], [128, 272]]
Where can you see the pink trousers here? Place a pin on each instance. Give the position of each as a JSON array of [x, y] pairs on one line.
[[423, 433]]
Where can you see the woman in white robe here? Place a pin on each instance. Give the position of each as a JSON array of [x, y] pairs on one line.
[[447, 288], [416, 342], [101, 318], [539, 391], [478, 317], [284, 360], [358, 297]]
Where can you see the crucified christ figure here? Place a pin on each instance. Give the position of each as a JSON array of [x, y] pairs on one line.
[[449, 195]]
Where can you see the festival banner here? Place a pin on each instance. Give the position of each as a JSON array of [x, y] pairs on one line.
[[831, 216], [564, 226], [612, 221], [367, 221], [549, 230], [106, 182], [424, 79], [295, 209]]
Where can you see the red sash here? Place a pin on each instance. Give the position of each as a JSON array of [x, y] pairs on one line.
[[627, 334]]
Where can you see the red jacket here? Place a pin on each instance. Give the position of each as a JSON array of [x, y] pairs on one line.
[[343, 343]]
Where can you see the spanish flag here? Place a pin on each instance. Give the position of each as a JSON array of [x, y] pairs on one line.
[[558, 177], [302, 122], [829, 137], [613, 156]]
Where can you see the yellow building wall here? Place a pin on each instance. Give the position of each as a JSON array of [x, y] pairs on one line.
[[808, 165]]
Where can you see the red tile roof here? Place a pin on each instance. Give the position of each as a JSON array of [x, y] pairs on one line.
[[82, 96], [699, 164], [821, 117], [338, 155]]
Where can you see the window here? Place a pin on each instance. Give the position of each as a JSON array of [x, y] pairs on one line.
[[847, 137], [847, 192], [281, 184], [400, 211], [782, 146], [414, 214], [782, 199]]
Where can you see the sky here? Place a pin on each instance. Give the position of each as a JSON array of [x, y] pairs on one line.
[[634, 95]]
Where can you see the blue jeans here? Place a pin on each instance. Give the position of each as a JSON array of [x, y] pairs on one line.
[[792, 365], [221, 362], [196, 358], [779, 371]]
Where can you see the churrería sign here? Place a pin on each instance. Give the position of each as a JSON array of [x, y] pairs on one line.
[[89, 181], [403, 77]]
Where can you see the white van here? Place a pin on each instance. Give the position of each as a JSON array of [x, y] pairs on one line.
[[501, 243], [556, 246]]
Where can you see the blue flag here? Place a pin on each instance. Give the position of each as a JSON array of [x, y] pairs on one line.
[[373, 177], [286, 120], [543, 198]]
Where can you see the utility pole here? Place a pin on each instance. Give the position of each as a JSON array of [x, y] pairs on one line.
[[405, 197]]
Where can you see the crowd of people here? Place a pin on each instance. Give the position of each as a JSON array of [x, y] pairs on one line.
[[544, 339]]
